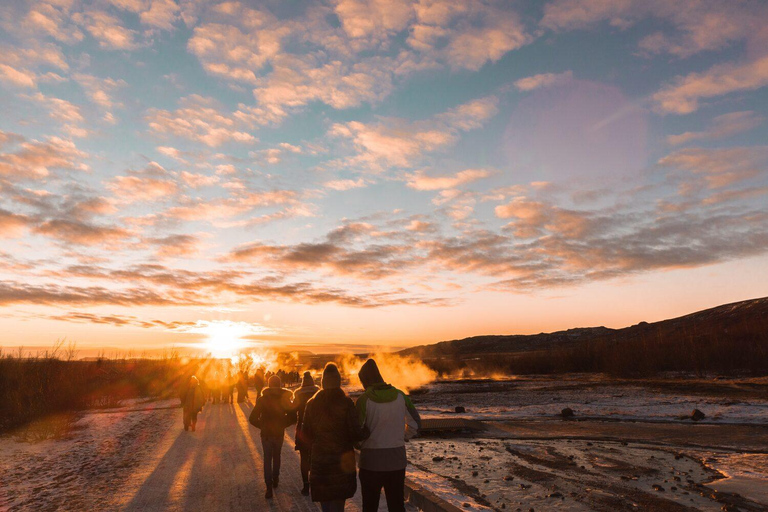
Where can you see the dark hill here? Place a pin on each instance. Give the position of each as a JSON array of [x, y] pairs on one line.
[[727, 338]]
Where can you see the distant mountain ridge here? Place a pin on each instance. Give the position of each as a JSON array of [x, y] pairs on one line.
[[750, 316]]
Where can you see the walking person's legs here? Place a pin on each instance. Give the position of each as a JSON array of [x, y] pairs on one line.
[[268, 449], [370, 488], [394, 490], [332, 506], [306, 463], [276, 456], [187, 419], [193, 420]]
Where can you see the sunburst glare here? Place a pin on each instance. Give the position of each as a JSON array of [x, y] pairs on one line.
[[226, 338]]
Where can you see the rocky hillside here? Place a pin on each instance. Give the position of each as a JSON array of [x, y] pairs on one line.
[[748, 318]]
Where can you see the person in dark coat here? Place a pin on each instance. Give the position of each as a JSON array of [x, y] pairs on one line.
[[331, 428], [300, 398], [258, 381], [192, 400], [242, 387], [272, 414]]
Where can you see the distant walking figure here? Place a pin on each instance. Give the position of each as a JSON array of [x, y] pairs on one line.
[[272, 414], [192, 401], [331, 428], [391, 418], [300, 398]]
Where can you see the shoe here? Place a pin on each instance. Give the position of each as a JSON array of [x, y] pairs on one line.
[[305, 490], [275, 481], [268, 494], [193, 428]]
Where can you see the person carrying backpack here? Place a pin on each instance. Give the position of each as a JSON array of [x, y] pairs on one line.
[[392, 419], [272, 414]]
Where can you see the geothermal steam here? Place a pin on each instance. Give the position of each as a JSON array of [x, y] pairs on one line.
[[405, 373]]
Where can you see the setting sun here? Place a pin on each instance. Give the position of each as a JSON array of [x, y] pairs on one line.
[[225, 338]]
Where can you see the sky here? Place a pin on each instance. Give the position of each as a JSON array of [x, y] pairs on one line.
[[349, 174]]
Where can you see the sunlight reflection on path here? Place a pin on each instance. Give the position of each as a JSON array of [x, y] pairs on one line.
[[218, 467]]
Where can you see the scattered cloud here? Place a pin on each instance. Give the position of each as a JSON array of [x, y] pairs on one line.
[[34, 159], [721, 127], [399, 143], [200, 119], [682, 96], [543, 80], [421, 181]]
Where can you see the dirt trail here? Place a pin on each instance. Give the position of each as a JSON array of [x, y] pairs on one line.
[[217, 468], [143, 460]]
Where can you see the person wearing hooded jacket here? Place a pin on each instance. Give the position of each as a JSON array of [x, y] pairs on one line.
[[300, 398], [272, 414], [192, 400], [392, 419], [331, 429]]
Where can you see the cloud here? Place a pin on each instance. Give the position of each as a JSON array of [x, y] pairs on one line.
[[682, 96], [199, 119], [82, 233], [176, 246], [149, 184], [99, 90], [12, 225], [421, 181], [196, 180], [107, 29], [18, 77], [466, 35], [698, 25], [63, 111], [721, 127], [720, 167], [12, 292], [157, 285], [400, 143], [543, 80], [35, 159], [20, 66], [345, 184], [200, 209], [375, 21]]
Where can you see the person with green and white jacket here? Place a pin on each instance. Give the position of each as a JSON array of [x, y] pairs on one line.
[[392, 419]]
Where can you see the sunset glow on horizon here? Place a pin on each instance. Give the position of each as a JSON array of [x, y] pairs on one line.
[[353, 175]]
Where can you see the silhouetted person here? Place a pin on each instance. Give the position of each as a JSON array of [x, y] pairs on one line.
[[258, 381], [242, 387], [272, 414], [192, 403], [391, 418], [300, 398], [331, 427], [229, 388]]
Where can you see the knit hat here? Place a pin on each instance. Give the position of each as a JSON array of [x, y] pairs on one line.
[[369, 374], [275, 382], [307, 380], [331, 377]]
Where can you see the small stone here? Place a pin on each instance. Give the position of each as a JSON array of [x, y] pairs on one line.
[[438, 459], [657, 487], [460, 409], [697, 415], [567, 413]]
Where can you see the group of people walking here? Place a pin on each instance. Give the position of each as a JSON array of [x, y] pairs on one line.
[[329, 427]]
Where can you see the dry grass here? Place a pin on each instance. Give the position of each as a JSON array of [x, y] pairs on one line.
[[53, 383]]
